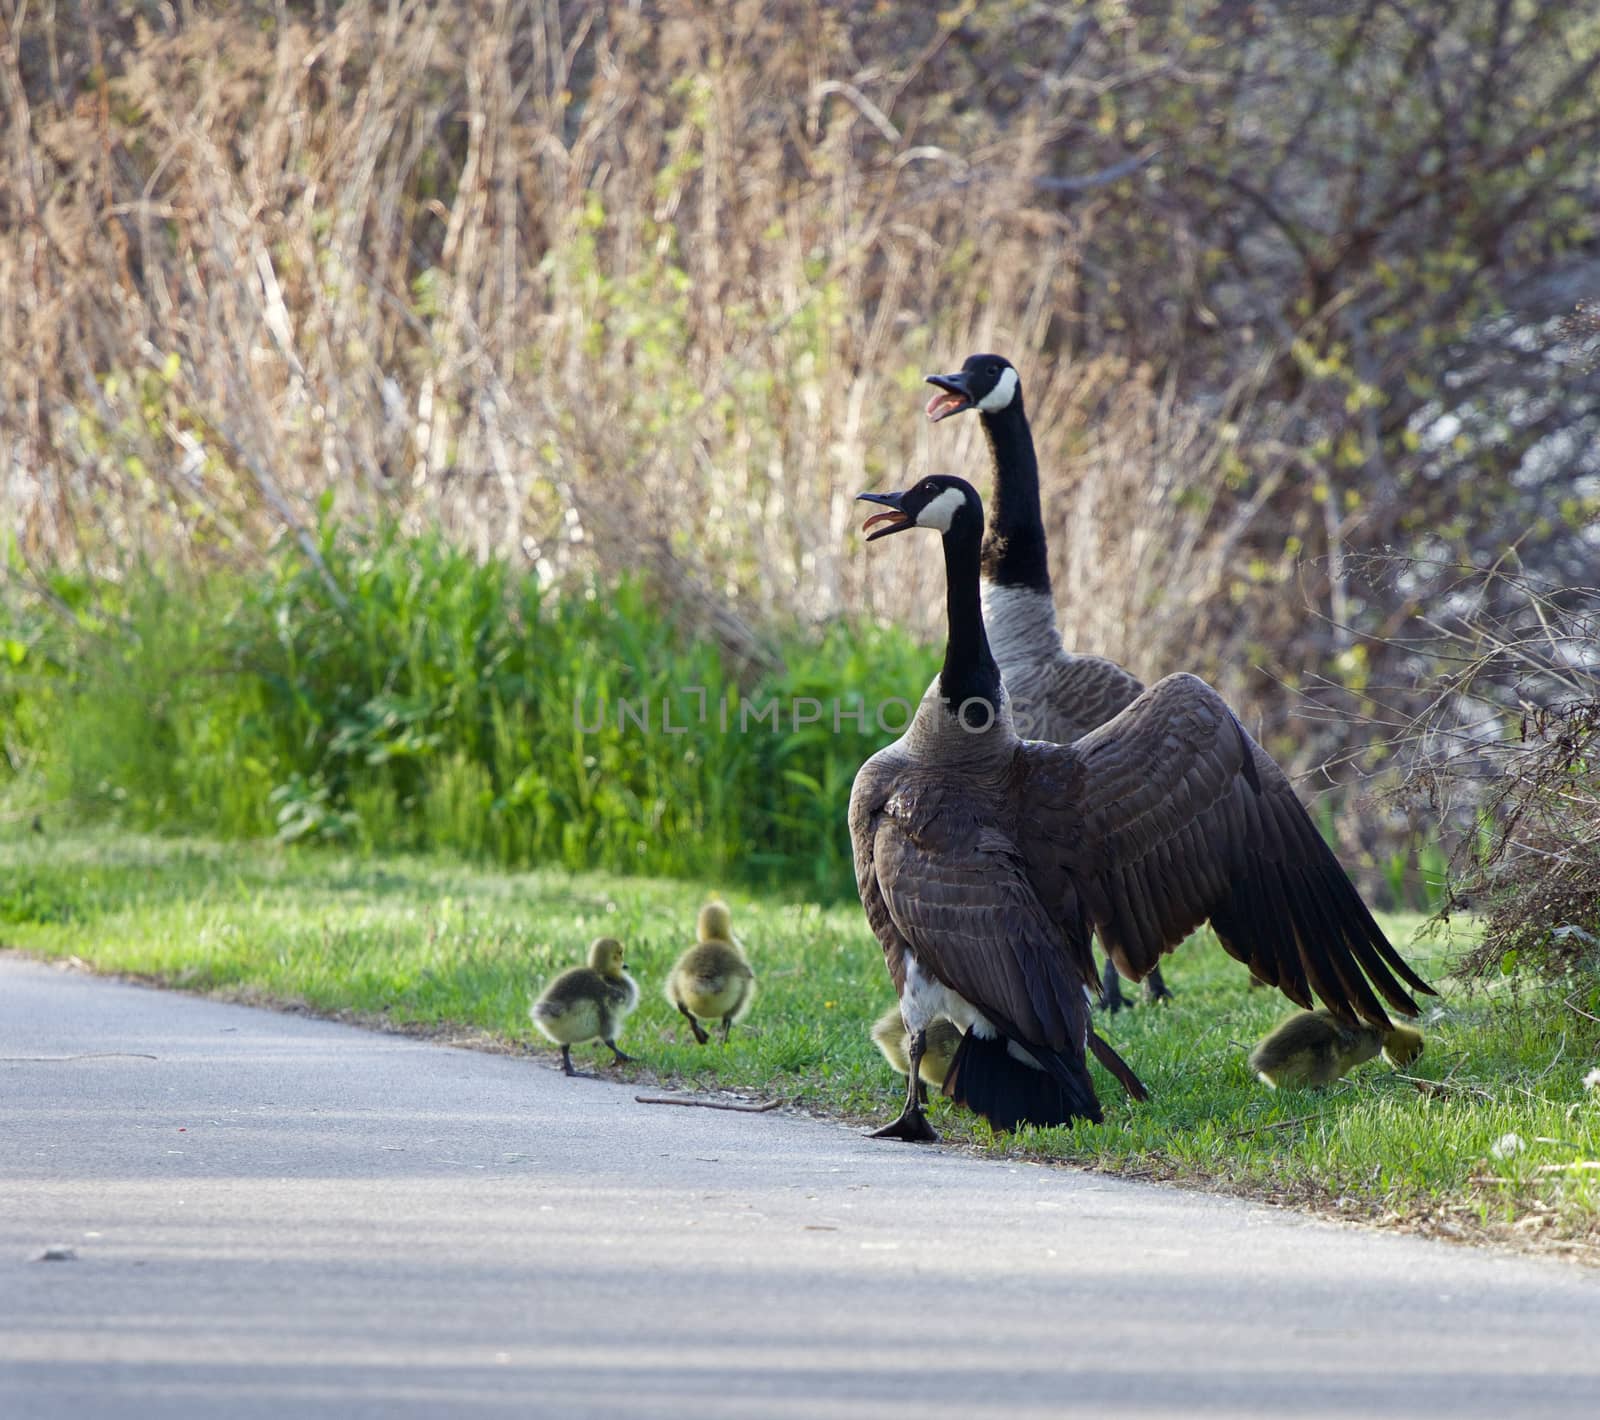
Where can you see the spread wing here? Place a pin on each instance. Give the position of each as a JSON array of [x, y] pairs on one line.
[[1169, 815], [937, 883]]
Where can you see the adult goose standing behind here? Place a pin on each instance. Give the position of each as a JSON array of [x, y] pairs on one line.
[[985, 861], [1056, 694]]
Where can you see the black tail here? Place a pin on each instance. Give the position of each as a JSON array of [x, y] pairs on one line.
[[989, 1080]]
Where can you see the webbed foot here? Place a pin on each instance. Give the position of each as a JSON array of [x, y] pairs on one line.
[[912, 1127]]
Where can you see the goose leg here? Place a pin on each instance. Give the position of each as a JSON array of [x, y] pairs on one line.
[[566, 1061], [694, 1025], [620, 1057], [1156, 988], [1111, 998], [912, 1126], [727, 1027]]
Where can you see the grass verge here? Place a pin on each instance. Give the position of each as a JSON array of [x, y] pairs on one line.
[[425, 944]]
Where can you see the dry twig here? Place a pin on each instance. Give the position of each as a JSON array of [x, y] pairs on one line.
[[711, 1104]]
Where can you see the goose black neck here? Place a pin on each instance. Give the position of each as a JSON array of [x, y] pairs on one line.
[[969, 672], [1014, 551]]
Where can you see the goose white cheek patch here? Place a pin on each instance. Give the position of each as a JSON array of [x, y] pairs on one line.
[[1004, 391], [941, 512]]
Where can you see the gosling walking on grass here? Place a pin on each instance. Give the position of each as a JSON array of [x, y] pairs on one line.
[[1314, 1048], [588, 1002], [713, 981]]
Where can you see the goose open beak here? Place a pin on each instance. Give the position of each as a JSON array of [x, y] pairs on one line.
[[952, 397], [896, 520]]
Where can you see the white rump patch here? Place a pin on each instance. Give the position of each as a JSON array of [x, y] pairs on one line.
[[1004, 391], [926, 998], [942, 511]]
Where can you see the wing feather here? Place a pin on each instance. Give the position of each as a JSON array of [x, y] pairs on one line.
[[1170, 815], [968, 912], [869, 795], [941, 883]]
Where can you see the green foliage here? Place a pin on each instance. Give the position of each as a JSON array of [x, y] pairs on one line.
[[397, 693]]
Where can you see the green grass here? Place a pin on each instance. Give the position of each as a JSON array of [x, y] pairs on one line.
[[402, 695], [439, 945]]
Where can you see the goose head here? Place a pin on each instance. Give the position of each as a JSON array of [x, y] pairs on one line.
[[715, 923], [987, 383], [940, 501], [1402, 1045], [606, 957]]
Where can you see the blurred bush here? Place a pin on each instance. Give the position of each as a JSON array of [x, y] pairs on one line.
[[398, 692]]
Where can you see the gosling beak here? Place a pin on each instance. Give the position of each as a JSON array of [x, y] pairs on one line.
[[895, 519], [952, 397]]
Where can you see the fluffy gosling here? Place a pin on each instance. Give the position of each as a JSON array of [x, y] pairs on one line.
[[944, 1039], [713, 980], [1314, 1048], [588, 1002]]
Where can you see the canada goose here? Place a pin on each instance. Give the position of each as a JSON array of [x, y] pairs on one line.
[[713, 980], [588, 1002], [984, 861], [1055, 694], [1315, 1048]]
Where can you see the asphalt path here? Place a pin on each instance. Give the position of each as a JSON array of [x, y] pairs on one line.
[[276, 1216]]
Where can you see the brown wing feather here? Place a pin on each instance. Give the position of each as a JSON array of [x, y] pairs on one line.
[[1169, 815], [1074, 695], [965, 907], [937, 882], [869, 794]]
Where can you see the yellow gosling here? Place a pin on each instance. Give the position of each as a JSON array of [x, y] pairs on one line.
[[712, 981], [588, 1002], [1314, 1048]]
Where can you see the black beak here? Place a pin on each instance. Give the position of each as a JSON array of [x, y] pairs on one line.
[[954, 395], [897, 518]]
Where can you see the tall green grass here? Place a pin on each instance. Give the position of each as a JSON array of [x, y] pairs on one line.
[[407, 695]]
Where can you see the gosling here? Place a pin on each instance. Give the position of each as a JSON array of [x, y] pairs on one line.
[[1314, 1048], [944, 1039], [713, 980], [588, 1002]]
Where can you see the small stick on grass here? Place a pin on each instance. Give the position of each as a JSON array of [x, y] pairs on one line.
[[1276, 1124], [1442, 1089], [711, 1104]]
